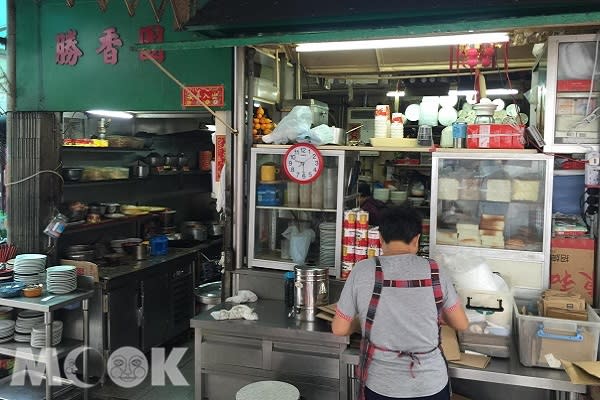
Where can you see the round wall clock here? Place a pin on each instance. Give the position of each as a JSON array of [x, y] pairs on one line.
[[303, 163]]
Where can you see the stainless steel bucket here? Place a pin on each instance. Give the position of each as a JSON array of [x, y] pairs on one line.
[[311, 290]]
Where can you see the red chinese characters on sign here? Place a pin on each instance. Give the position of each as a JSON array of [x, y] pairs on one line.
[[565, 281], [152, 34], [213, 96], [109, 41], [220, 158], [588, 285], [67, 52]]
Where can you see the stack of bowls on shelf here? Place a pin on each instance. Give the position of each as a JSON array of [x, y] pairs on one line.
[[7, 330], [61, 279], [5, 313], [327, 244], [38, 334], [382, 194], [29, 268], [26, 320], [398, 197]]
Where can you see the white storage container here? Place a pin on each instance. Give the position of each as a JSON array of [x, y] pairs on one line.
[[544, 341], [490, 316]]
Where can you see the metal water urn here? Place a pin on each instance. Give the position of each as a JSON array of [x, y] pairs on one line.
[[311, 290]]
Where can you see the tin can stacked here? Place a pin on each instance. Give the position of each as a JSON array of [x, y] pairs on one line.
[[358, 241]]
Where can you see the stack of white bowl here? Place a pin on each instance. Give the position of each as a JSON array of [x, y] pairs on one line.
[[7, 330], [382, 194], [398, 196], [29, 268], [61, 279], [382, 121], [38, 334], [26, 320]]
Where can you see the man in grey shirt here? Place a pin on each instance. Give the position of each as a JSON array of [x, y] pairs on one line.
[[405, 361]]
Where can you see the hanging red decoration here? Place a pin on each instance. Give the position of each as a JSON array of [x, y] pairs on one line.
[[473, 56]]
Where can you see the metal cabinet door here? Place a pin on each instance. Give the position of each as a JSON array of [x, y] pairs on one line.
[[155, 310], [181, 299], [122, 316]]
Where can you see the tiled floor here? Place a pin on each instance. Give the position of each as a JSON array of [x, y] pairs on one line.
[[146, 391]]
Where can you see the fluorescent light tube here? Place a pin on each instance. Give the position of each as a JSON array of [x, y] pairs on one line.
[[472, 38], [394, 93], [111, 114]]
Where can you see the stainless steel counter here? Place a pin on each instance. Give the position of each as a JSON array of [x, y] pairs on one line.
[[272, 321], [507, 371]]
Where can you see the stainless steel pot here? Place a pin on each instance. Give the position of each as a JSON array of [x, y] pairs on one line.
[[140, 251], [311, 290], [194, 230], [182, 161], [208, 294], [215, 229], [140, 170], [170, 160], [154, 160], [167, 218]]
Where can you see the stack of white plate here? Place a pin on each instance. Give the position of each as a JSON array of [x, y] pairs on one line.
[[38, 334], [26, 320], [327, 244], [29, 268], [398, 196], [6, 313], [61, 279], [7, 330]]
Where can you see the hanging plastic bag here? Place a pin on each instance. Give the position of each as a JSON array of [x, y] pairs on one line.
[[300, 241], [296, 123]]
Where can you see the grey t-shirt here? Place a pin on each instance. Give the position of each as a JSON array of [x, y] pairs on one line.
[[406, 320]]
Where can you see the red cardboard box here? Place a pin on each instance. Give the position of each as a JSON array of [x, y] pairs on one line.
[[495, 136], [572, 266], [573, 85]]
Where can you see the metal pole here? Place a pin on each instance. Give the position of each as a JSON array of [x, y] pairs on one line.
[[86, 344], [239, 186], [49, 372], [298, 72]]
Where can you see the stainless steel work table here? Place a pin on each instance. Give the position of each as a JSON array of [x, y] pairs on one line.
[[506, 371], [47, 303]]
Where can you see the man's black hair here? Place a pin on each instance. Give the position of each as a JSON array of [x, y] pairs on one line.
[[400, 223], [364, 189]]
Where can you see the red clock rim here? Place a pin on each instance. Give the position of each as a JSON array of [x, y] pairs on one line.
[[316, 151]]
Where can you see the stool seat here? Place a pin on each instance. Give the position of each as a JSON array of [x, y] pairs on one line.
[[268, 390]]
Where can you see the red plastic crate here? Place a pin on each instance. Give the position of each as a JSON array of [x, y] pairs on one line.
[[495, 136]]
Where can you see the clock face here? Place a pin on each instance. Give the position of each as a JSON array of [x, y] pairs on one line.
[[303, 163]]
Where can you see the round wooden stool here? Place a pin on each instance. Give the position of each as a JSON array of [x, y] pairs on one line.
[[268, 390]]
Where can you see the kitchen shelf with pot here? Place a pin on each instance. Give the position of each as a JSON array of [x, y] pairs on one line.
[[77, 149], [129, 180], [84, 226], [296, 209]]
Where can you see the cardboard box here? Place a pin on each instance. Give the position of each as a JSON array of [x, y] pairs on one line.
[[572, 266]]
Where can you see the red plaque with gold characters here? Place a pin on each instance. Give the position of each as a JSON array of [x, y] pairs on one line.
[[212, 96]]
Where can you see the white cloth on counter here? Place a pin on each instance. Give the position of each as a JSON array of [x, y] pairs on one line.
[[236, 312], [243, 296]]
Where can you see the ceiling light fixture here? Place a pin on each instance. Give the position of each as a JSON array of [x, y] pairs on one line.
[[489, 92], [396, 93], [111, 114], [472, 38]]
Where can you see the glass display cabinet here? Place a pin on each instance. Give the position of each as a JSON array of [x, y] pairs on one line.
[[496, 206], [566, 93], [296, 223]]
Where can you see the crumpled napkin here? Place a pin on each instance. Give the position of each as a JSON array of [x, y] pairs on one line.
[[243, 296], [236, 312]]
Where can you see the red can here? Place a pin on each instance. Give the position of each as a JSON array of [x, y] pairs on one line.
[[346, 269], [348, 253], [362, 219], [362, 238], [372, 252], [349, 219], [360, 253]]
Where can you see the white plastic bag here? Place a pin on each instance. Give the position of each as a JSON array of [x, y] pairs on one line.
[[300, 241], [321, 134], [474, 273], [296, 123]]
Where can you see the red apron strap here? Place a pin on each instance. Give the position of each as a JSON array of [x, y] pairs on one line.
[[437, 287]]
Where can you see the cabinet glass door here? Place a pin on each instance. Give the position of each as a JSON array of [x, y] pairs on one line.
[[294, 223], [491, 203]]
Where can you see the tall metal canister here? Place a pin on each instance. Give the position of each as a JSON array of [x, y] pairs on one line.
[[311, 290]]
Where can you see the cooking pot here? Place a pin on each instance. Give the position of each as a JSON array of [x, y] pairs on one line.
[[140, 251], [194, 230], [139, 170], [154, 160], [167, 218], [215, 229], [170, 160], [72, 174], [182, 160], [208, 295]]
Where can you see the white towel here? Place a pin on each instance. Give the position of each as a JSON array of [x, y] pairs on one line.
[[236, 312], [243, 296]]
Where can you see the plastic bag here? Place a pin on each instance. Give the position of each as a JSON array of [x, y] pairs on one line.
[[321, 134], [299, 243], [474, 273], [296, 123]]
